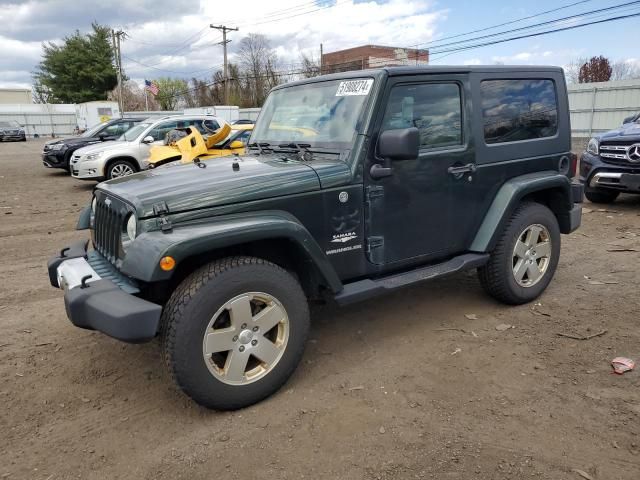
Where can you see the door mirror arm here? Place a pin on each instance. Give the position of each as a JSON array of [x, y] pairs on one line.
[[378, 170]]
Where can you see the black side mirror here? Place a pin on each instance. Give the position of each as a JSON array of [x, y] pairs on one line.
[[399, 144], [102, 136]]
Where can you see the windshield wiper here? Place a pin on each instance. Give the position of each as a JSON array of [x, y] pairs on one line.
[[261, 146], [301, 148]]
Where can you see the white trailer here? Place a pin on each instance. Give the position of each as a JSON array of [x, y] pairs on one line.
[[226, 112], [92, 113]]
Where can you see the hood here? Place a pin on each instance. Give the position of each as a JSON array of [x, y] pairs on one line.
[[74, 141], [108, 145], [189, 187], [627, 132]]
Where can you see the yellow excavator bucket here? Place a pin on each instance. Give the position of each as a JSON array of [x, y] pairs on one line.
[[187, 148]]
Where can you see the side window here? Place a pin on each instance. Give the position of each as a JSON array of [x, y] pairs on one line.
[[161, 130], [515, 110], [211, 125], [433, 108]]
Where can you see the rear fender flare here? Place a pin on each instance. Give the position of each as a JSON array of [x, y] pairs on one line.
[[508, 198]]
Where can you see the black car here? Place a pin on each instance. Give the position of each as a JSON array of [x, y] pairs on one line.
[[57, 153], [12, 130], [611, 164]]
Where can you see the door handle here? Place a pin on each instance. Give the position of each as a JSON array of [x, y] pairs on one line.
[[378, 171], [459, 170]]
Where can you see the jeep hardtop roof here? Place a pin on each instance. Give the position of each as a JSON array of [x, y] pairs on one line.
[[425, 70]]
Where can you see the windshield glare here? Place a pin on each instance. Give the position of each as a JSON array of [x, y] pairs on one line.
[[133, 132], [323, 114]]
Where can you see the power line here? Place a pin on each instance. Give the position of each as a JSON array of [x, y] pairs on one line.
[[540, 24], [437, 50], [511, 22], [571, 27]]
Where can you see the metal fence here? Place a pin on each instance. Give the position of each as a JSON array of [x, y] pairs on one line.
[[43, 124], [602, 106]]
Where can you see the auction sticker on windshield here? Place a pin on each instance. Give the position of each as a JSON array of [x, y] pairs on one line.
[[354, 87]]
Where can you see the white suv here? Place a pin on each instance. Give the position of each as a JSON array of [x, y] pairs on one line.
[[130, 152]]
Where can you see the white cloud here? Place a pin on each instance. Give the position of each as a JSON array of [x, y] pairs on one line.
[[472, 61], [182, 45]]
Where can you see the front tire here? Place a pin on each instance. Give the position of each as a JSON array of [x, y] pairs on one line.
[[525, 257], [602, 196], [234, 331], [120, 168]]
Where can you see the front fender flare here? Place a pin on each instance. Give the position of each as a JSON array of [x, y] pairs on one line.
[[507, 199], [144, 254]]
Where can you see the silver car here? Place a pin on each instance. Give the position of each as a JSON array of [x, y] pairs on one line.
[[130, 152]]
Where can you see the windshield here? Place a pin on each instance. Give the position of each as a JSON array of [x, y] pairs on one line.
[[9, 124], [133, 132], [323, 114], [93, 131]]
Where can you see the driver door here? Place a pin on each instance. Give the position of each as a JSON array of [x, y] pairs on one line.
[[422, 211]]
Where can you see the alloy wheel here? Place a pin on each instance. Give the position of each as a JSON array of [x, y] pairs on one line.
[[121, 170], [246, 338], [531, 255]]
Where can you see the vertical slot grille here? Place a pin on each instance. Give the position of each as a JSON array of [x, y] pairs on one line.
[[108, 225]]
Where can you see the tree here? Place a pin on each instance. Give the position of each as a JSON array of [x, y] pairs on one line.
[[597, 69], [170, 92], [310, 67], [259, 63], [572, 70], [624, 70], [133, 97], [80, 70]]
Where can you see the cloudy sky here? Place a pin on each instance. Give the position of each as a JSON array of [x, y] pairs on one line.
[[172, 37]]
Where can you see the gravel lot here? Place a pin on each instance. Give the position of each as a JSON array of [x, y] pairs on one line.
[[418, 384]]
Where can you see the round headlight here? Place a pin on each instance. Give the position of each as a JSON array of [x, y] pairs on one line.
[[132, 225]]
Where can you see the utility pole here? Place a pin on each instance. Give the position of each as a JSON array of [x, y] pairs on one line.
[[224, 29], [116, 46], [321, 59]]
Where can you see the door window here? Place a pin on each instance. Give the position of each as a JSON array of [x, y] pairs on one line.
[[158, 133], [514, 110], [435, 109]]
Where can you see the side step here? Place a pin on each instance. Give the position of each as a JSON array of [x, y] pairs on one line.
[[362, 289]]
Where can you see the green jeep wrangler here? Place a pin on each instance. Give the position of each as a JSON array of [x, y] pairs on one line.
[[354, 184]]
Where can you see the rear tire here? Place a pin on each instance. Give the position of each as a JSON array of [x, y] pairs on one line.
[[234, 331], [525, 257], [602, 196]]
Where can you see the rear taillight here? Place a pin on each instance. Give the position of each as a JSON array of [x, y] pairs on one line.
[[573, 168]]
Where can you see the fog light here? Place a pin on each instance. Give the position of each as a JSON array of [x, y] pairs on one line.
[[167, 263]]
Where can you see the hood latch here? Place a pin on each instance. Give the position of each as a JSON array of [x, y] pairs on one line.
[[161, 209]]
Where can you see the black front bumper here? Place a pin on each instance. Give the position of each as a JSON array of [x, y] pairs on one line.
[[596, 174], [104, 306], [53, 159]]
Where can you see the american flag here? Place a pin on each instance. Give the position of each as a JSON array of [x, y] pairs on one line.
[[152, 86]]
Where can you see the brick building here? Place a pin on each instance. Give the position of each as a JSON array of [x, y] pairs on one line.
[[372, 56]]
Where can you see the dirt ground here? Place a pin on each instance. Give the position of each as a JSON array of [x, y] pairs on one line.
[[418, 384]]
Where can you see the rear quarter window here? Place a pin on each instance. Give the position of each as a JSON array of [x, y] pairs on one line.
[[518, 109]]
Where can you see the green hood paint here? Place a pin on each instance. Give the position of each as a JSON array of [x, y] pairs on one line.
[[189, 187]]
